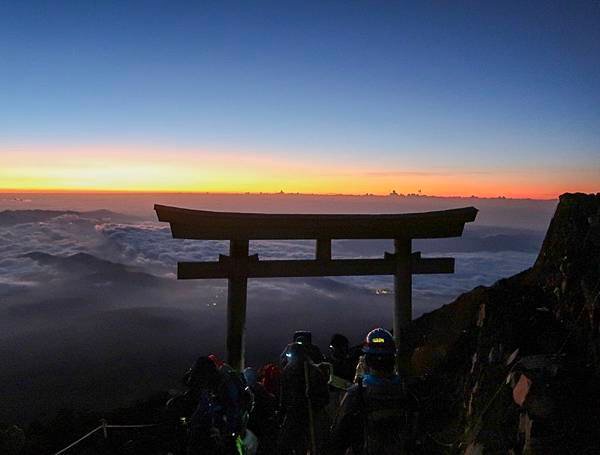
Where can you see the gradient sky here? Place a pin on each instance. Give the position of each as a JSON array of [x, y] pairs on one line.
[[451, 98]]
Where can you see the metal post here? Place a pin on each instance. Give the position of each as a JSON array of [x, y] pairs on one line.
[[236, 304], [402, 292]]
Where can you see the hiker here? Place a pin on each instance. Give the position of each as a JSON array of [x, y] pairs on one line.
[[341, 373], [377, 415], [217, 425], [303, 337], [268, 376], [341, 357], [263, 419], [304, 395]]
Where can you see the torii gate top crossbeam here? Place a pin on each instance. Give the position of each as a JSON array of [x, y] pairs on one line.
[[206, 225]]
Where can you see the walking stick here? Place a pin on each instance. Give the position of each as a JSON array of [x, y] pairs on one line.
[[311, 418]]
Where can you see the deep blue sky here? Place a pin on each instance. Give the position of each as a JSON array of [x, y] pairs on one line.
[[408, 85]]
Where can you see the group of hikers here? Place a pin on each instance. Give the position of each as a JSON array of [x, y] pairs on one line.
[[349, 401]]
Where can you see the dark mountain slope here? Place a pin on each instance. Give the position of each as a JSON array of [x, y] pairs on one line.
[[96, 270], [516, 366]]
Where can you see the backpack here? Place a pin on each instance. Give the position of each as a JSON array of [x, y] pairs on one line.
[[210, 430], [387, 414], [239, 390], [270, 375]]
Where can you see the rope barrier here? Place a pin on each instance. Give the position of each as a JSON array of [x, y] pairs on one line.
[[79, 440], [104, 427], [132, 426]]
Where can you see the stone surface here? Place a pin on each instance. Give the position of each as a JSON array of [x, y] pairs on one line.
[[521, 365]]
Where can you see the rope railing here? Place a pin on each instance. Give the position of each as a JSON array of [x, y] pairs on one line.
[[79, 440], [104, 426]]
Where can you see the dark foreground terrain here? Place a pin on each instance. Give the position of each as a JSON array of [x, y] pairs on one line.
[[516, 366], [511, 368]]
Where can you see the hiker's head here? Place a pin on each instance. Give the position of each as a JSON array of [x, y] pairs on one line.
[[303, 337], [383, 364], [218, 362], [295, 354], [204, 373], [339, 345], [379, 349], [251, 376]]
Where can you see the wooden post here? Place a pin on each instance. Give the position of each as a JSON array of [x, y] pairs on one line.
[[402, 292], [237, 288], [104, 429], [324, 249]]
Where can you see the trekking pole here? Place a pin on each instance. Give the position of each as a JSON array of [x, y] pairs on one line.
[[311, 418]]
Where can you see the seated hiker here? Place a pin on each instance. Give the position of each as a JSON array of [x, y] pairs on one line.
[[217, 425], [304, 395], [377, 415]]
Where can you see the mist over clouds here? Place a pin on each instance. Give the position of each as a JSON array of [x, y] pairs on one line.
[[516, 213], [90, 302]]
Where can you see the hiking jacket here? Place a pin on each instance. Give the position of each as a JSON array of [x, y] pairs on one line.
[[376, 416], [293, 389]]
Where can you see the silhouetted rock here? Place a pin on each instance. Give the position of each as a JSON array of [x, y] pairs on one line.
[[516, 366]]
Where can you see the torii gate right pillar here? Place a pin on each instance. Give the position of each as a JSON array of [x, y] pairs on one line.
[[402, 293], [237, 291]]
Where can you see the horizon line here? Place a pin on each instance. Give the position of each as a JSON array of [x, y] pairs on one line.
[[392, 194]]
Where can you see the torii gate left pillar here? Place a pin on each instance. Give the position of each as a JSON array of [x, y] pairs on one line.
[[238, 266], [237, 295]]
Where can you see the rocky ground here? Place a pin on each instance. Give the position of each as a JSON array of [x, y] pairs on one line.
[[515, 367]]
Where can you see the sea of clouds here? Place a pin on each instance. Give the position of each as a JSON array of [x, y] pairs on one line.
[[91, 312], [150, 247]]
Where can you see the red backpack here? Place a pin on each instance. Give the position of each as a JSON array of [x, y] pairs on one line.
[[270, 375]]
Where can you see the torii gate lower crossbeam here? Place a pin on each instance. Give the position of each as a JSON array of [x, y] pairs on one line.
[[238, 266]]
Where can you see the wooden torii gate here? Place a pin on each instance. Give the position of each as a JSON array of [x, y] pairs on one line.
[[238, 266]]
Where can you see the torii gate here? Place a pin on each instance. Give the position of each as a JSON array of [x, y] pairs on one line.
[[240, 228]]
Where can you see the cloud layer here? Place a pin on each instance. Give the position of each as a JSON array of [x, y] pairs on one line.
[[90, 302]]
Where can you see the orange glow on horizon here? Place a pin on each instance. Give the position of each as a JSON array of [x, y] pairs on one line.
[[157, 171]]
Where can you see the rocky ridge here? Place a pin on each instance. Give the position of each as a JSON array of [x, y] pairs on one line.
[[515, 367]]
